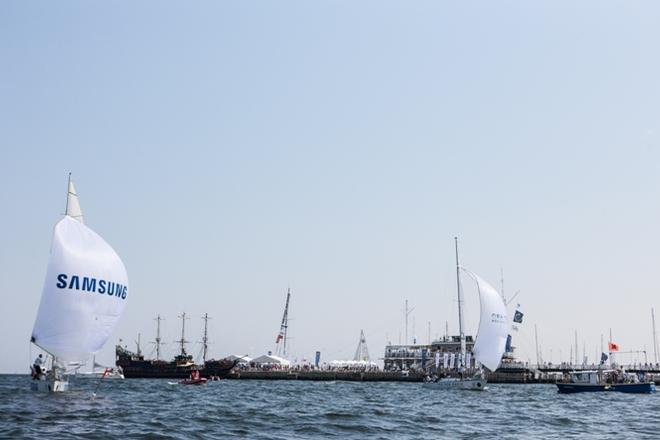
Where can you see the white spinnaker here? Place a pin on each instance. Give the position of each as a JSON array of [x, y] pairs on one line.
[[493, 325], [73, 323], [73, 204]]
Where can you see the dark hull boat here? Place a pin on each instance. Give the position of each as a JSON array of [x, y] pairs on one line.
[[136, 367], [604, 380], [639, 388]]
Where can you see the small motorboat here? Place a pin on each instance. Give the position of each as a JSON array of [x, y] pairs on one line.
[[195, 379], [605, 380]]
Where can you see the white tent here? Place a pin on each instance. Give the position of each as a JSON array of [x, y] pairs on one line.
[[352, 364], [241, 359], [270, 360]]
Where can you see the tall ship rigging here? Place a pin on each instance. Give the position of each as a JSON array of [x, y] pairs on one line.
[[134, 365]]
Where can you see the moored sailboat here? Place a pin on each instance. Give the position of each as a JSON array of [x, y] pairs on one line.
[[82, 300], [491, 337]]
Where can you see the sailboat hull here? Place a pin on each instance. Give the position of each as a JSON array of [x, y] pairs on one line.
[[637, 388], [49, 386], [452, 383]]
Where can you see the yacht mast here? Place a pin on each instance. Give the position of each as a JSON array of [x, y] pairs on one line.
[[460, 301], [282, 335], [536, 342], [655, 341]]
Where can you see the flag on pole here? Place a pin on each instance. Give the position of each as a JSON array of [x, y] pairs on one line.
[[612, 346], [518, 317]]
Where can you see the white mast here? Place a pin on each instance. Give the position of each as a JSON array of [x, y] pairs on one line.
[[407, 312], [609, 349], [655, 341], [536, 339], [280, 349], [460, 301]]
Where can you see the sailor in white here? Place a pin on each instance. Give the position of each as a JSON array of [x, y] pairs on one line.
[[38, 362]]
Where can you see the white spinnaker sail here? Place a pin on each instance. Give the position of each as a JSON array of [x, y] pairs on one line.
[[493, 325], [84, 294], [73, 204]]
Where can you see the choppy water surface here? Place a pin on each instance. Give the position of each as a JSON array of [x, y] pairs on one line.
[[147, 408]]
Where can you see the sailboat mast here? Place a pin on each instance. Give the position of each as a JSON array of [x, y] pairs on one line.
[[286, 320], [655, 341], [536, 343], [609, 348], [280, 349], [205, 339], [460, 300]]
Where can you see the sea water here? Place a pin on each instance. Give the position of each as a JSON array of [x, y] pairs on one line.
[[255, 409]]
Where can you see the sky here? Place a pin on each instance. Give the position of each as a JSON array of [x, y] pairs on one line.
[[231, 150]]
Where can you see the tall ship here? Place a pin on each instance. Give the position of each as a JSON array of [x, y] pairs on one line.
[[135, 366]]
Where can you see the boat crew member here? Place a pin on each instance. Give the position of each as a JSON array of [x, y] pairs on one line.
[[38, 362]]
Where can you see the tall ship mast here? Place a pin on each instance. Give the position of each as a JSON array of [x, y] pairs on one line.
[[205, 338], [183, 341], [134, 365], [282, 336], [158, 342]]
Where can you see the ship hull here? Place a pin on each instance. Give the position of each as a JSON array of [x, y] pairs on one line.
[[637, 388], [136, 367]]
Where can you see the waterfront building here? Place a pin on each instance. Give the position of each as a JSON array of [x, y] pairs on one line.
[[406, 357]]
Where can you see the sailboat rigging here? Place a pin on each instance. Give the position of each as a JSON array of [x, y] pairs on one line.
[[83, 297], [491, 337]]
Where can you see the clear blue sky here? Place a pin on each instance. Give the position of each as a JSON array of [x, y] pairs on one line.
[[228, 150]]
